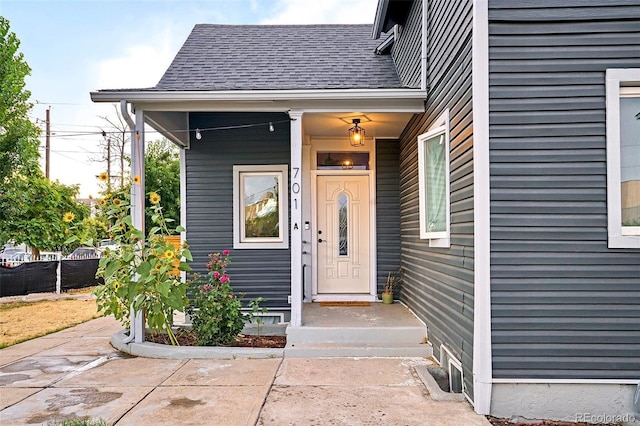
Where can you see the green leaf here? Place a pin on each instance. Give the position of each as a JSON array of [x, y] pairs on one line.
[[112, 267], [180, 228], [184, 266], [187, 255], [71, 240], [163, 288], [144, 269]]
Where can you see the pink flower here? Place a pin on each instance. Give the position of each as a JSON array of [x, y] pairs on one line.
[[215, 259], [226, 252], [208, 266], [224, 278], [207, 287], [224, 266], [216, 274]]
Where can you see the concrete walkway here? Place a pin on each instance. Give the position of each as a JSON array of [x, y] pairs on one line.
[[75, 373]]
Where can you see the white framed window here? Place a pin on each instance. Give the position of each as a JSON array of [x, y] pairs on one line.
[[260, 204], [433, 172], [623, 157]]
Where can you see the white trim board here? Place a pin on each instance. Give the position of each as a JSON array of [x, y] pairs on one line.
[[482, 365]]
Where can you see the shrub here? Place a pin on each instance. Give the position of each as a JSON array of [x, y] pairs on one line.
[[215, 312]]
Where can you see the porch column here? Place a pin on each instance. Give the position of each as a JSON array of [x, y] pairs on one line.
[[137, 201], [296, 218]]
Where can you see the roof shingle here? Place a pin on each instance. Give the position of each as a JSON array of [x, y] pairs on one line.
[[279, 57]]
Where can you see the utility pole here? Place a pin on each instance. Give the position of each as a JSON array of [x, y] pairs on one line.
[[109, 164], [47, 142]]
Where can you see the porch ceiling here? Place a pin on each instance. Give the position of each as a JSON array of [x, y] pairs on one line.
[[381, 125]]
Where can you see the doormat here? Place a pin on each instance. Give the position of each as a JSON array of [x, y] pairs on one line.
[[344, 303]]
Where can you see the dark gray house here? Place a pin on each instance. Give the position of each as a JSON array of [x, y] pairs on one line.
[[499, 167]]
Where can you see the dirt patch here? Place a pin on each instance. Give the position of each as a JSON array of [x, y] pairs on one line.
[[20, 321], [504, 422], [188, 338]]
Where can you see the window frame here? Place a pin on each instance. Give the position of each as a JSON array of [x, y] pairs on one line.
[[440, 238], [239, 240], [616, 79]]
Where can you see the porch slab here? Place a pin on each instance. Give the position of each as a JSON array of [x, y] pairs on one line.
[[376, 315], [377, 330]]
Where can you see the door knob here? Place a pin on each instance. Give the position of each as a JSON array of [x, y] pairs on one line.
[[320, 240]]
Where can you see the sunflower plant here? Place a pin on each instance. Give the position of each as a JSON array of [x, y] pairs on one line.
[[142, 273]]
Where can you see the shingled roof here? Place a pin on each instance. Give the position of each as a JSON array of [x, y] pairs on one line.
[[279, 57]]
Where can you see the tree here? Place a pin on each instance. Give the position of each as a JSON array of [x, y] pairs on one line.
[[40, 212], [162, 175], [18, 135]]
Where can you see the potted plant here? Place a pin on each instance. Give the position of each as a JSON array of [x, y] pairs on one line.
[[393, 281]]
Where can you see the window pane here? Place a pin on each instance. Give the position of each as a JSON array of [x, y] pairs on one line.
[[436, 184], [630, 160], [261, 210], [342, 160], [343, 223]]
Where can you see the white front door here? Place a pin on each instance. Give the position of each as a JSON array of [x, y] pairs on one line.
[[343, 234]]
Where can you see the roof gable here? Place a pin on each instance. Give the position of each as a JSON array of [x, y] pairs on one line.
[[279, 57]]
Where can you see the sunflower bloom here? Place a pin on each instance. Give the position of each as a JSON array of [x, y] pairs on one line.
[[103, 177], [117, 201], [169, 254], [158, 266], [137, 180], [68, 217], [116, 286], [103, 202], [154, 198]]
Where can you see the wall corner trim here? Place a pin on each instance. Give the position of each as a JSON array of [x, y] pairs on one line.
[[482, 365]]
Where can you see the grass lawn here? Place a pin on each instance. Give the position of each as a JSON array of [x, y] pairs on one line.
[[20, 321]]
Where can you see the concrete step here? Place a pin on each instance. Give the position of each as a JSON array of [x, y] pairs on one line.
[[372, 335], [356, 349]]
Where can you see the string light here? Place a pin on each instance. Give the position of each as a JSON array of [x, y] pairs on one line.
[[103, 133], [198, 134]]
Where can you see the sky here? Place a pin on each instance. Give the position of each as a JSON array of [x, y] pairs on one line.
[[77, 46]]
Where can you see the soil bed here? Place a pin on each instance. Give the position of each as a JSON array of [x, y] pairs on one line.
[[188, 338]]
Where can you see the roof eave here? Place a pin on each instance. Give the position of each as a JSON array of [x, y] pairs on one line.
[[391, 100]]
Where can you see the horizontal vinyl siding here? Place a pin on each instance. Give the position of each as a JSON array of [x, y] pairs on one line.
[[407, 49], [438, 282], [564, 306], [387, 208], [209, 170]]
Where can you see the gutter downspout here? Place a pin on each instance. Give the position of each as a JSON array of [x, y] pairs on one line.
[[482, 353], [136, 328]]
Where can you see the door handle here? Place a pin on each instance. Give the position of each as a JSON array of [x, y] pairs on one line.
[[320, 240]]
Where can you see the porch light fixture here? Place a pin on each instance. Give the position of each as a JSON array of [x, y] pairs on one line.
[[356, 134]]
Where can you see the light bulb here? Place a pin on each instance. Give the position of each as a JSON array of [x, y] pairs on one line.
[[271, 129], [198, 134], [356, 136]]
